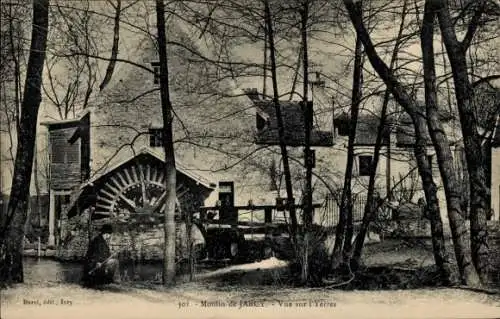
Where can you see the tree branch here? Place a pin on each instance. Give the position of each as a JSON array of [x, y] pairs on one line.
[[73, 54], [399, 93], [114, 48], [486, 79], [473, 25]]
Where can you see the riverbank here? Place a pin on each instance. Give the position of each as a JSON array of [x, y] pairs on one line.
[[262, 288]]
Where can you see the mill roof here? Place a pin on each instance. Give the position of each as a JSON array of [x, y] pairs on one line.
[[292, 113]]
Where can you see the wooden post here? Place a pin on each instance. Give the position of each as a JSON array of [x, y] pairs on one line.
[[268, 215], [388, 171], [52, 219], [89, 223], [39, 247]]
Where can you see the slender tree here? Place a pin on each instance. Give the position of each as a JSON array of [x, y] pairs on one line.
[[345, 228], [479, 190], [13, 63], [425, 171], [437, 133], [279, 117], [12, 232], [307, 111], [170, 170]]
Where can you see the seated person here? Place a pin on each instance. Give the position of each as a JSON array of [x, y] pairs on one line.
[[99, 267]]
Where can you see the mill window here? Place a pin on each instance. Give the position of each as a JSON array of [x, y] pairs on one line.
[[156, 71], [156, 137], [365, 163]]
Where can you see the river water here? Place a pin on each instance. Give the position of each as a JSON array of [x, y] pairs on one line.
[[46, 270]]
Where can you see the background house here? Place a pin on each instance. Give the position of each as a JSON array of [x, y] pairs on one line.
[[397, 170]]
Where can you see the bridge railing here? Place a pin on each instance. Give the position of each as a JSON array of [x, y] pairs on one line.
[[328, 214]]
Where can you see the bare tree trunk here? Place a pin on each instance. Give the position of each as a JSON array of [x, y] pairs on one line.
[[11, 269], [441, 145], [281, 130], [15, 52], [170, 169], [191, 261], [457, 224], [27, 221], [441, 257], [307, 111], [344, 230], [296, 73], [37, 187], [264, 75], [479, 190], [355, 102]]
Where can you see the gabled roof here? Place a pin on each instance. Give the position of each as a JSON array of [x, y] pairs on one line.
[[367, 127], [85, 195], [293, 121], [405, 132], [78, 118], [147, 150]]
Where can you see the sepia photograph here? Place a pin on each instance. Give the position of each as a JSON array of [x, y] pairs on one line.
[[249, 159]]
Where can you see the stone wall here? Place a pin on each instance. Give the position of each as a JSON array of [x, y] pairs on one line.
[[74, 238], [139, 244]]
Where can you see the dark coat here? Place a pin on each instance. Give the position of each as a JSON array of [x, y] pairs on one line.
[[98, 251]]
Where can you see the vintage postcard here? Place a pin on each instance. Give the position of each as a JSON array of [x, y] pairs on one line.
[[250, 159]]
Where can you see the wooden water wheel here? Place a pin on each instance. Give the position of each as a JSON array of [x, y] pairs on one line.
[[136, 193]]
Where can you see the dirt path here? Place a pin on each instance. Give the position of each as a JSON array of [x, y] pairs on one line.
[[266, 264], [234, 292], [196, 301]]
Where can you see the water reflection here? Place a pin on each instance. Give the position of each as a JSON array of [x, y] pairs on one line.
[[42, 270], [45, 270]]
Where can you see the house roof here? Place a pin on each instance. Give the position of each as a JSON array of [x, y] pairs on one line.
[[149, 151], [405, 132], [366, 128], [293, 120], [76, 119], [405, 136], [85, 194]]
